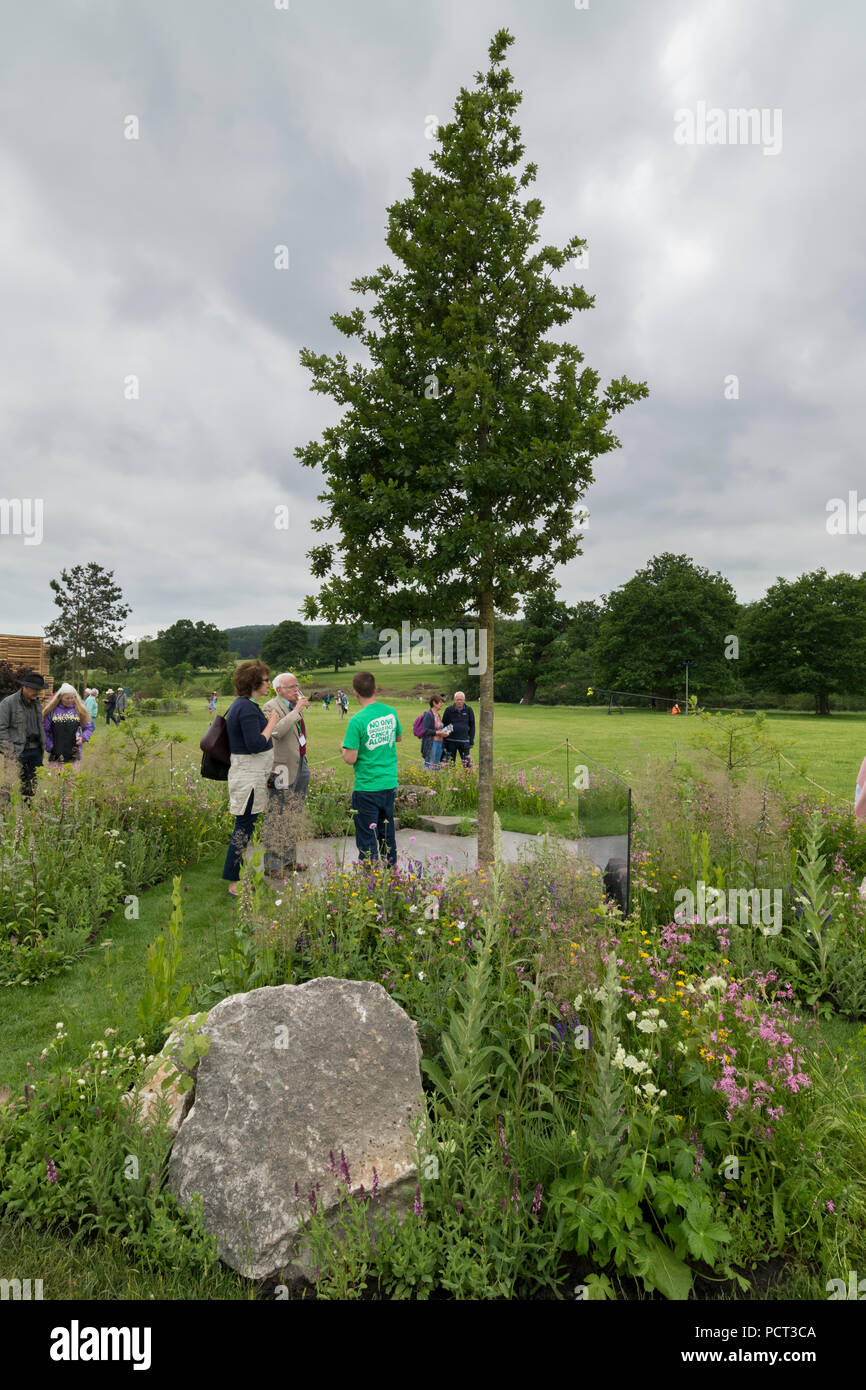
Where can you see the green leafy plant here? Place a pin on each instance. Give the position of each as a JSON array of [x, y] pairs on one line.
[[160, 999]]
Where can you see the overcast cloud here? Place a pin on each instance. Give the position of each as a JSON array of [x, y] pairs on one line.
[[260, 126]]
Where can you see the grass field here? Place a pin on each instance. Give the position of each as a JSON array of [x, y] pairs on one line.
[[831, 750]]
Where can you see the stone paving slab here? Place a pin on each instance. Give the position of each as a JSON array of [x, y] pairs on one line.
[[458, 853]]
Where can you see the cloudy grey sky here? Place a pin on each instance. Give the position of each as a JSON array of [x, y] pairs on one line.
[[259, 126]]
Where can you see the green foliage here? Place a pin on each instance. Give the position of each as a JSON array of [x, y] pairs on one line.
[[739, 742], [338, 646], [137, 743], [92, 613], [246, 641], [809, 634], [160, 1000], [198, 644], [462, 1078], [810, 947], [672, 611], [286, 646]]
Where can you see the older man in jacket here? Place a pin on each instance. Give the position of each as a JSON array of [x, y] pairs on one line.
[[461, 717], [288, 783], [22, 734]]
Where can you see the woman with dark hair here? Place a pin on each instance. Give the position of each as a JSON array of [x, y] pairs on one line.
[[249, 733], [432, 732]]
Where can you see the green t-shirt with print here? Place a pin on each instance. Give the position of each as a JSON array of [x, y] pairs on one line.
[[373, 731]]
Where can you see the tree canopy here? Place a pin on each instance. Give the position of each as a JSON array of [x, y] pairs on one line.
[[810, 634], [337, 646], [286, 646], [92, 614], [669, 612], [468, 436], [198, 643]]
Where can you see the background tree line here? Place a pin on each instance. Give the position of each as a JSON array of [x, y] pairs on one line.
[[802, 644]]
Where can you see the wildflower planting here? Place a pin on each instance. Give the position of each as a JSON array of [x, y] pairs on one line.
[[664, 1106]]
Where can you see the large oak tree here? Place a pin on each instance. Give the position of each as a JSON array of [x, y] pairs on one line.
[[810, 634]]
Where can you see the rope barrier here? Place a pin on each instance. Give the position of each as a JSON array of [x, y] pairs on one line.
[[835, 795]]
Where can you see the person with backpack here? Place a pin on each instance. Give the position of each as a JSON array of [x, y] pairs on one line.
[[431, 731], [249, 732], [121, 700], [370, 747]]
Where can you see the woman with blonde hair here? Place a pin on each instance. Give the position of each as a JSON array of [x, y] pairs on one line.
[[68, 726]]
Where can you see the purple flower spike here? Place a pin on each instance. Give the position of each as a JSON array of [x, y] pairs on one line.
[[375, 1182], [333, 1163], [344, 1168], [536, 1201], [418, 1207]]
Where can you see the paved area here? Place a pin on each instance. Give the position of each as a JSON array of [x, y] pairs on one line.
[[457, 852]]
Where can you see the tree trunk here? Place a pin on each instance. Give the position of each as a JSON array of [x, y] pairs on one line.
[[822, 702], [485, 738], [529, 692]]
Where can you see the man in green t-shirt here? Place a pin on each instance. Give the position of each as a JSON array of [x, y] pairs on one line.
[[370, 746]]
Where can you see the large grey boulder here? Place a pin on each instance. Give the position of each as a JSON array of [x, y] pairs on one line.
[[293, 1073]]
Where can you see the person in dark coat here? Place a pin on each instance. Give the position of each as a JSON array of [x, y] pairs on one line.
[[22, 733], [462, 719]]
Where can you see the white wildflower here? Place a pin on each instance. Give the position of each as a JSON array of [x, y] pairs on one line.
[[631, 1016]]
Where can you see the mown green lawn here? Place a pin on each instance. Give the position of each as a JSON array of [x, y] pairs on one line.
[[831, 750], [103, 988]]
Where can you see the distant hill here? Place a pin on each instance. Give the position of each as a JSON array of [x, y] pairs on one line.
[[247, 641]]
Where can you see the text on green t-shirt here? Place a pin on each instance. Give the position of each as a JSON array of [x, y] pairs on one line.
[[373, 731]]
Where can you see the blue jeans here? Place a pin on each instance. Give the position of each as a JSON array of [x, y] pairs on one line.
[[434, 757], [374, 824], [241, 835]]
